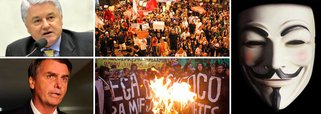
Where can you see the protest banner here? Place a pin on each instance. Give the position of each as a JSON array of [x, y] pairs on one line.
[[158, 25], [126, 63], [133, 94]]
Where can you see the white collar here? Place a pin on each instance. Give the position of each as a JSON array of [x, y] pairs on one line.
[[36, 111]]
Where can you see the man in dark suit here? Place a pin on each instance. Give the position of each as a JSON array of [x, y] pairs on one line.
[[48, 82], [43, 20]]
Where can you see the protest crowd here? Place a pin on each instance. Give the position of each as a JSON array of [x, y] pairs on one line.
[[177, 28]]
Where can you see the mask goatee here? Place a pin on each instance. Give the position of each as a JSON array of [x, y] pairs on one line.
[[275, 98]]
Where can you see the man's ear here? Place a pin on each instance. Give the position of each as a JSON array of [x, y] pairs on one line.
[[62, 21], [31, 82]]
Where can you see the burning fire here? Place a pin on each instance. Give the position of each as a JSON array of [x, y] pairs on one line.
[[170, 97]]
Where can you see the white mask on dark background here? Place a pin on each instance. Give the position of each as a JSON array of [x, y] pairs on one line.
[[277, 50]]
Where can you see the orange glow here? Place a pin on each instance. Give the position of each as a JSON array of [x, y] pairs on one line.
[[170, 97]]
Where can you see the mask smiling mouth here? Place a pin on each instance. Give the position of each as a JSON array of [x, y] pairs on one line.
[[263, 75], [266, 76]]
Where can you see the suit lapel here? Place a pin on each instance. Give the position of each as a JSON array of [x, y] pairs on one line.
[[67, 46], [27, 109]]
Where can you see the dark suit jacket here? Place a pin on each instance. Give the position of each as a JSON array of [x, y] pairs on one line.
[[72, 44], [26, 109]]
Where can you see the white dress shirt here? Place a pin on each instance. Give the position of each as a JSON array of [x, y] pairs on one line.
[[36, 111]]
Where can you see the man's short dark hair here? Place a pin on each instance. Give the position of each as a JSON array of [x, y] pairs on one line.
[[102, 70], [132, 65], [32, 71], [113, 66]]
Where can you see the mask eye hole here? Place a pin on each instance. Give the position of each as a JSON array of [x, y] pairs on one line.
[[252, 44], [295, 42]]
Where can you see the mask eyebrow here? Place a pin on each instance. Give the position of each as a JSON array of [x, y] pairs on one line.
[[292, 28], [257, 30]]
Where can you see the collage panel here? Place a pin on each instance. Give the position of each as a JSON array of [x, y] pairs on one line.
[[46, 85], [161, 86], [162, 28], [52, 62], [275, 56], [46, 28]]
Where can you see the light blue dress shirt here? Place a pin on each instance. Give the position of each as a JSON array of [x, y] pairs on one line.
[[55, 47]]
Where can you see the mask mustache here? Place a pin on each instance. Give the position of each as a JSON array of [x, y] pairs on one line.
[[263, 68], [268, 72]]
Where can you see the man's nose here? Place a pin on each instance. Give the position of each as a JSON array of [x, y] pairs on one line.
[[58, 83], [46, 24]]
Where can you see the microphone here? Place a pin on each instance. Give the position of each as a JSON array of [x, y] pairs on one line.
[[38, 45], [41, 43]]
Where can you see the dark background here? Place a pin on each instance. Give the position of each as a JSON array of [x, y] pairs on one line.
[[244, 99], [15, 92]]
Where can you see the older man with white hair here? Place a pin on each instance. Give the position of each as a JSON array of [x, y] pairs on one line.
[[43, 20]]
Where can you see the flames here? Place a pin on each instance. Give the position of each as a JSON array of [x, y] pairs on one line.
[[170, 97]]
